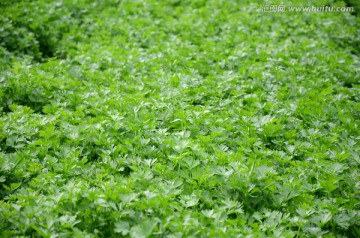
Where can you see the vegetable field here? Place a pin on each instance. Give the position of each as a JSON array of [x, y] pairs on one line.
[[179, 118]]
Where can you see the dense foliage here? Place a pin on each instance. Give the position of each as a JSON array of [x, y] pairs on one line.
[[178, 118]]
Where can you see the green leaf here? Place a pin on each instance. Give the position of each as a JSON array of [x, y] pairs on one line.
[[144, 229], [122, 227]]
